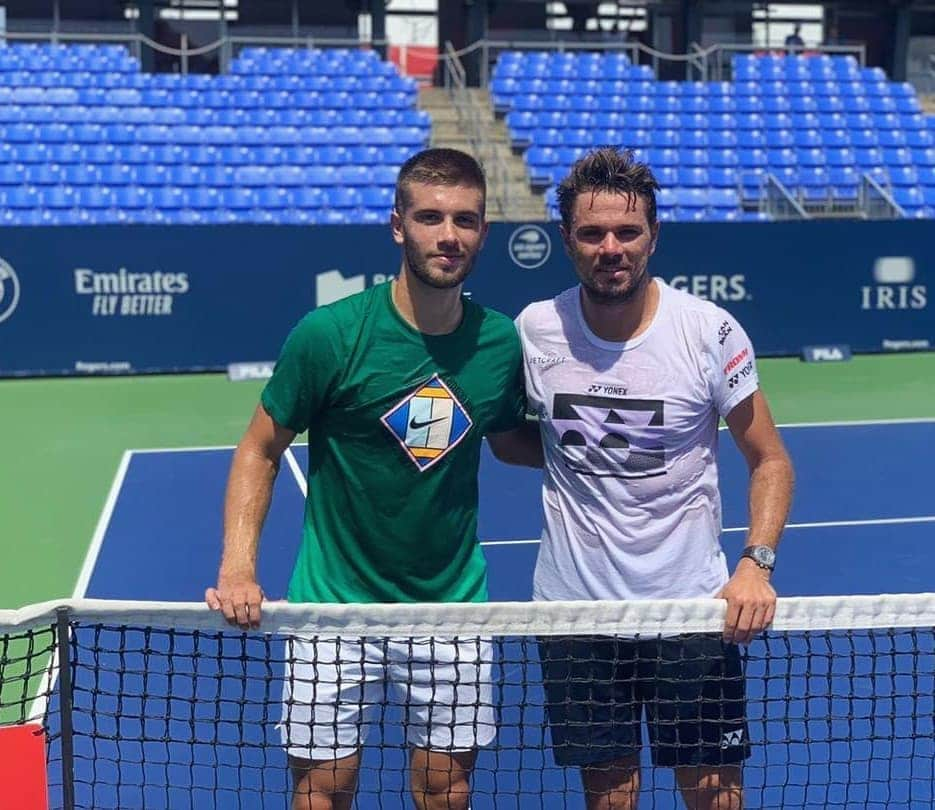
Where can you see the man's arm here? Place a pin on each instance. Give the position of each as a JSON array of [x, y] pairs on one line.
[[249, 491], [521, 446], [751, 600]]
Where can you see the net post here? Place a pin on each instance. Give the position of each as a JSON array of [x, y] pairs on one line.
[[65, 707]]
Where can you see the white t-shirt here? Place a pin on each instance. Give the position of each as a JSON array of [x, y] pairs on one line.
[[631, 500]]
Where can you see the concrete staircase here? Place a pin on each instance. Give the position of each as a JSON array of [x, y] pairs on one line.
[[509, 197]]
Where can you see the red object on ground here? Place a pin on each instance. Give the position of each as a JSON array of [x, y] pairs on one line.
[[23, 783], [417, 61]]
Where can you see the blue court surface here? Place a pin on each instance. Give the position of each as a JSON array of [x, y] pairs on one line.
[[862, 523]]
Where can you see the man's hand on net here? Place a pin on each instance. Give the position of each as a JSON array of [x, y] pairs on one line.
[[751, 603], [238, 598]]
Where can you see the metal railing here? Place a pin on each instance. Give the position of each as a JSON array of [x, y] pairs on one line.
[[701, 64], [705, 64], [473, 120], [876, 202], [716, 58], [225, 47], [779, 202]]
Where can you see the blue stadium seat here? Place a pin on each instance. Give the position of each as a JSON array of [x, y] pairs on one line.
[[788, 176], [133, 197], [117, 174], [666, 176], [340, 197], [693, 177], [751, 139], [899, 156], [751, 121], [692, 138], [835, 138], [664, 157], [781, 157], [811, 157], [780, 138], [864, 137], [807, 138], [753, 158], [857, 104], [840, 156], [868, 157], [724, 157], [909, 197], [891, 137], [694, 157], [777, 121], [723, 198], [378, 197], [903, 176], [723, 177], [913, 122], [722, 139]]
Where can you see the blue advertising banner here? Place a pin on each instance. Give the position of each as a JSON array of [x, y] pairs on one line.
[[130, 299]]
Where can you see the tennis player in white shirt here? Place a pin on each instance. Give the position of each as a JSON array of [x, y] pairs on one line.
[[629, 378]]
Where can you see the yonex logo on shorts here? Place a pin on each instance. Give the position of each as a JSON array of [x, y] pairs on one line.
[[9, 290], [530, 247], [732, 739], [428, 423]]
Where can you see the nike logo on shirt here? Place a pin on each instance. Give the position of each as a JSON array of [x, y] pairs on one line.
[[415, 425]]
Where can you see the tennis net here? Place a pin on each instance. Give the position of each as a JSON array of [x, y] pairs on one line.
[[152, 705]]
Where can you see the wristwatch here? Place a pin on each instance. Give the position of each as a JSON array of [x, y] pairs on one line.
[[763, 556]]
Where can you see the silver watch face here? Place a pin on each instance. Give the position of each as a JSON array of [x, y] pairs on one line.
[[764, 555]]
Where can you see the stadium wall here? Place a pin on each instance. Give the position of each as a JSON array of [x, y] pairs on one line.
[[133, 299]]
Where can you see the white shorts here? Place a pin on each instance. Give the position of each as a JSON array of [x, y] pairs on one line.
[[334, 688]]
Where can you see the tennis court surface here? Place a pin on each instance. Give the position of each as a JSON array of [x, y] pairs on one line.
[[840, 703]]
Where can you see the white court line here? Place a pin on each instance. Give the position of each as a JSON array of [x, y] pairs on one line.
[[922, 420], [296, 471], [47, 684], [195, 449], [824, 524]]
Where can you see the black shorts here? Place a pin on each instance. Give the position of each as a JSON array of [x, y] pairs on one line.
[[692, 688]]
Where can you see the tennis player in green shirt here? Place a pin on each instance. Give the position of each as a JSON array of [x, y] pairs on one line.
[[396, 386]]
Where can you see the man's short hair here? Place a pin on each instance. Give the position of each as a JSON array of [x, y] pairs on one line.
[[439, 167], [608, 169]]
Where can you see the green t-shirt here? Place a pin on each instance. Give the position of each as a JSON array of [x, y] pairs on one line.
[[395, 420]]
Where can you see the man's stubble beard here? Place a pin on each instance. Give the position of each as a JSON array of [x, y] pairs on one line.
[[608, 297], [419, 268]]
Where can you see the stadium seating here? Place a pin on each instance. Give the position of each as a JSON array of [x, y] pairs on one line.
[[287, 136], [817, 123]]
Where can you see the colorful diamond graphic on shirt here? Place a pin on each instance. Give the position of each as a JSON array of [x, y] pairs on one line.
[[428, 423]]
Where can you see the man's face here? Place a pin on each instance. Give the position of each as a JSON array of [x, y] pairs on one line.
[[441, 231], [609, 242]]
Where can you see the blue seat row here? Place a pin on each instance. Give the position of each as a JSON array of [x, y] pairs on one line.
[[219, 175], [54, 80], [215, 99], [324, 68], [101, 155], [192, 216], [214, 135], [207, 198], [501, 87], [731, 177], [543, 70], [718, 122], [725, 139], [199, 116], [702, 156], [717, 104], [564, 57]]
